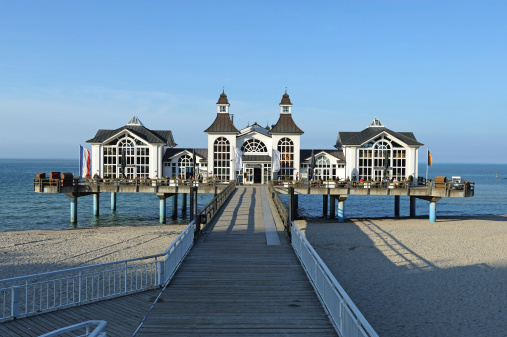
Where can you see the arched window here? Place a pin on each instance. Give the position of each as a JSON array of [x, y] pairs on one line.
[[322, 167], [222, 159], [382, 157], [254, 145], [185, 164], [286, 148], [135, 152]]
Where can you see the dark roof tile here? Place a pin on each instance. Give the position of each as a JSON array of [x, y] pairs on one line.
[[150, 136], [285, 124], [359, 138], [222, 123]]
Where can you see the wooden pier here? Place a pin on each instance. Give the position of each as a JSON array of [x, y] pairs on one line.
[[233, 283]]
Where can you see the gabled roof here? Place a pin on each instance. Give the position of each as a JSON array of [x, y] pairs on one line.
[[201, 153], [222, 124], [150, 136], [254, 128], [359, 138], [286, 124], [305, 155]]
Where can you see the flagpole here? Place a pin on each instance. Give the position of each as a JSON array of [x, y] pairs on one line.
[[80, 159], [427, 162]]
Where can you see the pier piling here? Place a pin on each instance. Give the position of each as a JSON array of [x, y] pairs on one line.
[[332, 207], [162, 217], [184, 204], [325, 202], [96, 204], [396, 205], [175, 206], [412, 206], [113, 201], [73, 210], [433, 209], [341, 209]]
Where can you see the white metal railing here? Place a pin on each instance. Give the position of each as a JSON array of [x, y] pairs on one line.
[[345, 316], [86, 326], [34, 294]]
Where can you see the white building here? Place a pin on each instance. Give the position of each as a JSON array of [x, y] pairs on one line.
[[372, 153], [133, 149]]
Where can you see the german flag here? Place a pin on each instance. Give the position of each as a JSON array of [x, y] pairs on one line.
[[430, 159]]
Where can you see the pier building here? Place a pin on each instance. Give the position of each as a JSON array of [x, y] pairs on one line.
[[254, 151]]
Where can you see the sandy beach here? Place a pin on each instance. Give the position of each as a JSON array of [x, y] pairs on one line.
[[31, 252], [410, 277]]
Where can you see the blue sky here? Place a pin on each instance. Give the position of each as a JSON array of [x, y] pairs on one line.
[[436, 68]]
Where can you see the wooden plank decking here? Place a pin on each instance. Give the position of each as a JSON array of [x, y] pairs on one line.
[[233, 283], [123, 315]]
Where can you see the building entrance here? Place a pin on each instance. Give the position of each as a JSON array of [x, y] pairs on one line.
[[257, 175]]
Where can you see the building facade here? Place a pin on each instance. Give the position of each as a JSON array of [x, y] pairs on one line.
[[258, 154]]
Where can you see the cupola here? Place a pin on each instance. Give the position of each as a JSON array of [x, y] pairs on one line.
[[223, 104], [285, 104]]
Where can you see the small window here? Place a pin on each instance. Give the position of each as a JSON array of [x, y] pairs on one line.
[[222, 109], [286, 109]]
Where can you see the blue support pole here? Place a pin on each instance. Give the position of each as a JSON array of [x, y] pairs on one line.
[[113, 201], [163, 210], [396, 205], [341, 209], [73, 210], [412, 206], [433, 211], [96, 204]]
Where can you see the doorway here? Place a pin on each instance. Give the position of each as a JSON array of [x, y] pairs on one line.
[[257, 175]]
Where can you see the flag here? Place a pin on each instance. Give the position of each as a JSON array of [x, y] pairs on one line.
[[84, 162], [239, 159], [430, 159], [276, 160]]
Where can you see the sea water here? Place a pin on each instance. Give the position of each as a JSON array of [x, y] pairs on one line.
[[23, 209]]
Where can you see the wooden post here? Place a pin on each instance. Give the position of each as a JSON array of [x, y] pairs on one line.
[[191, 204], [397, 205], [184, 204]]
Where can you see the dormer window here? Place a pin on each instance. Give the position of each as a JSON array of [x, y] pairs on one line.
[[285, 109], [222, 108]]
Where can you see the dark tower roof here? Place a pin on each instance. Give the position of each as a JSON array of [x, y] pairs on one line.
[[222, 123], [285, 99], [223, 98], [286, 124]]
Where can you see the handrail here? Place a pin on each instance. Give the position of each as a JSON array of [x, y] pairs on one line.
[[280, 208], [345, 316], [205, 214], [97, 332], [32, 294]]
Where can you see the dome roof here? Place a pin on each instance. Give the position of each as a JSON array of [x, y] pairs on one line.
[[223, 99], [285, 99]]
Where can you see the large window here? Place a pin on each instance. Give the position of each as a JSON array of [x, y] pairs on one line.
[[381, 158], [222, 159], [185, 164], [286, 148], [322, 168], [135, 153]]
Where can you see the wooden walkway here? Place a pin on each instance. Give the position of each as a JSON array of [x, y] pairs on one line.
[[232, 283], [123, 315]]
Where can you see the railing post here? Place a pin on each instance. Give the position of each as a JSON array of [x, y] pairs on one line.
[[79, 287], [125, 274], [161, 273], [290, 213], [15, 302]]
